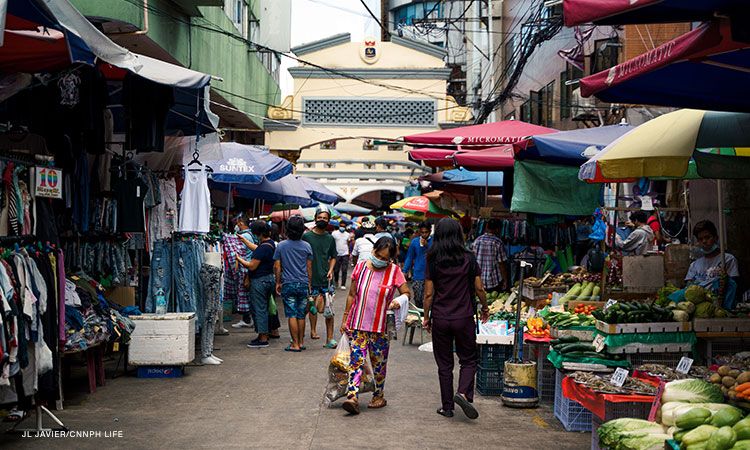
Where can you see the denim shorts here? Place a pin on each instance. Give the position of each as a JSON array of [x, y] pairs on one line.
[[295, 300], [319, 290]]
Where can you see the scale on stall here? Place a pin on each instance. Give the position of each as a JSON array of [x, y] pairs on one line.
[[519, 376]]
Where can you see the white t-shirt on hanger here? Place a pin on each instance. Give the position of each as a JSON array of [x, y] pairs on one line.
[[195, 210]]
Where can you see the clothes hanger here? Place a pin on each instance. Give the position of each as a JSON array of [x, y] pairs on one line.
[[195, 160]]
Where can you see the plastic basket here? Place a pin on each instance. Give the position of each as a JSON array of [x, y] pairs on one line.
[[545, 382], [666, 359], [493, 356], [718, 347], [633, 410], [571, 414], [595, 424], [489, 381]]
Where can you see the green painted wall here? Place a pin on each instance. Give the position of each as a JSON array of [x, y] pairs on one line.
[[200, 49]]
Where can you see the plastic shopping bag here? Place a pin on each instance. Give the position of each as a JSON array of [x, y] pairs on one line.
[[338, 373], [272, 308], [328, 308]]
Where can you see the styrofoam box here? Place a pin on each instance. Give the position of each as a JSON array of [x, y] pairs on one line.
[[160, 340], [492, 339]]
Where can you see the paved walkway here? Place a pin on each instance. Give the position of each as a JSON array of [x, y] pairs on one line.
[[271, 399]]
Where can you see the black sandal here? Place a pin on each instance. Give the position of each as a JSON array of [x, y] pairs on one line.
[[468, 409], [445, 412]]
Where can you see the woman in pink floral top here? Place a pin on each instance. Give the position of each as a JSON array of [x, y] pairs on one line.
[[374, 284]]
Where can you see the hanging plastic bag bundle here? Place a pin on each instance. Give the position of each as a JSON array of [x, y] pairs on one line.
[[338, 373]]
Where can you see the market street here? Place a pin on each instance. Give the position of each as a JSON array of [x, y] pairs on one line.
[[268, 398]]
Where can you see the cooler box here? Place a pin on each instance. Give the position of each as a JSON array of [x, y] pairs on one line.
[[162, 340]]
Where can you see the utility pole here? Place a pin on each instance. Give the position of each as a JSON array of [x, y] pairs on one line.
[[490, 52], [384, 13]]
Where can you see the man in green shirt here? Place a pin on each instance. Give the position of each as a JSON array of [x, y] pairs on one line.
[[324, 260]]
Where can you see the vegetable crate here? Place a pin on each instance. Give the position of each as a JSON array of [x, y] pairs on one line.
[[717, 347], [635, 410], [570, 413], [595, 424], [655, 327], [545, 383], [491, 368], [640, 348], [666, 359]]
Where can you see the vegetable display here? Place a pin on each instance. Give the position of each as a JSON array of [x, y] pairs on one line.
[[629, 433], [692, 391], [537, 327], [602, 383], [670, 374], [588, 290], [734, 383], [634, 312], [568, 319]]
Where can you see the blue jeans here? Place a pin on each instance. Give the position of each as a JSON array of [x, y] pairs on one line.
[[161, 273], [187, 277], [261, 289], [295, 300]]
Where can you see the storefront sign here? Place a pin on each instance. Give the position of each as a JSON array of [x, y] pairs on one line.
[[48, 182]]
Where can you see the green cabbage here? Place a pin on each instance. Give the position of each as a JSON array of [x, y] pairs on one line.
[[695, 294], [644, 442], [613, 431], [704, 310], [692, 391]]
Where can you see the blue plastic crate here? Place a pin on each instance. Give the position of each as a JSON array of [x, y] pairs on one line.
[[493, 356], [571, 414], [489, 382], [545, 383], [159, 372]]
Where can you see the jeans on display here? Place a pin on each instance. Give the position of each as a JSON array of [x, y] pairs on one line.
[[341, 267], [161, 273], [187, 277], [261, 290], [211, 280]]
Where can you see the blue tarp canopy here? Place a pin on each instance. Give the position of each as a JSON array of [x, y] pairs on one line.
[[571, 148], [470, 178], [248, 164]]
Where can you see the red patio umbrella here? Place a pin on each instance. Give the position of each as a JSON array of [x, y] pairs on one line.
[[433, 157], [495, 158], [621, 12], [479, 136], [702, 69]]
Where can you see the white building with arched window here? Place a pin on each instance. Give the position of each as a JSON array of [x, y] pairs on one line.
[[351, 102]]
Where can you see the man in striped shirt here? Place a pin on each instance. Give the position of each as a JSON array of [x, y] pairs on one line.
[[490, 252]]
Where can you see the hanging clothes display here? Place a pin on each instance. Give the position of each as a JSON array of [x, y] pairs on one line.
[[130, 191], [162, 217], [175, 270], [195, 206]]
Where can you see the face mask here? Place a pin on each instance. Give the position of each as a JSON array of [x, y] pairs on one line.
[[710, 250], [236, 228], [377, 262], [342, 229], [322, 224]]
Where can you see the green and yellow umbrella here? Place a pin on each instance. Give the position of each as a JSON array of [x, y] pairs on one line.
[[717, 142], [421, 206]]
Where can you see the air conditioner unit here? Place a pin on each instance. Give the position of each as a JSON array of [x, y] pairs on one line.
[[580, 106]]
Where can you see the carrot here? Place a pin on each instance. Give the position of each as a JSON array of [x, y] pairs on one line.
[[743, 387]]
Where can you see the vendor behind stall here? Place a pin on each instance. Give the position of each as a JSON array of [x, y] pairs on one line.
[[641, 239], [707, 269]]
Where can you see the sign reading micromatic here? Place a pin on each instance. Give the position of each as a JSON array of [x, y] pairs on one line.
[[236, 165], [645, 61], [468, 140]]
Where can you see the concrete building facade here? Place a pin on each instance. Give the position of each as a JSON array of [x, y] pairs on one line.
[[547, 92], [352, 103]]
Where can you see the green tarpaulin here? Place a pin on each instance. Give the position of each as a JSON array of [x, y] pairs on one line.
[[551, 189]]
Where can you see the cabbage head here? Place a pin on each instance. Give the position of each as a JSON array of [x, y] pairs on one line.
[[692, 391]]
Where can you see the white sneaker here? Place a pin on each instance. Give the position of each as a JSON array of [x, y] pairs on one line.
[[241, 324], [343, 288], [210, 361], [217, 358]]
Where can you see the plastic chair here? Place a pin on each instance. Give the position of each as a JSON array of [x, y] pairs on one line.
[[410, 329]]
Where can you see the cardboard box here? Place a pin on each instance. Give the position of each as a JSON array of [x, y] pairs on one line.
[[122, 295]]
